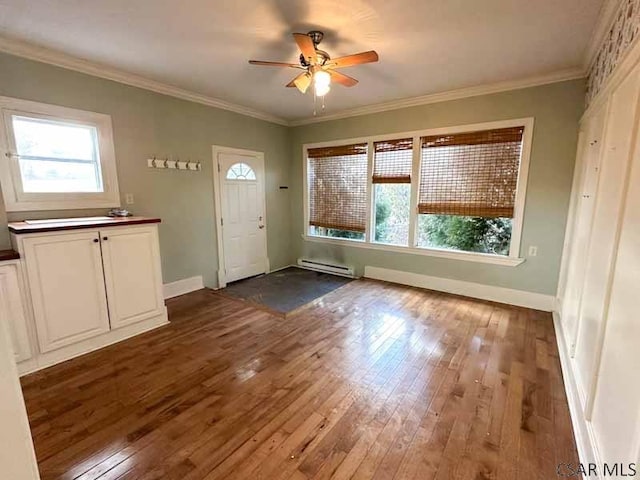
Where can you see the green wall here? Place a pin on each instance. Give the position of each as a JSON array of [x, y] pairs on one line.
[[556, 109], [145, 124]]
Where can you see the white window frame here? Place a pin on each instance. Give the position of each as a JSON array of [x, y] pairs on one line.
[[15, 199], [512, 259]]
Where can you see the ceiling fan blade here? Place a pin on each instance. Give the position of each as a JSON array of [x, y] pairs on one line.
[[356, 59], [273, 64], [342, 79], [301, 82], [306, 46]]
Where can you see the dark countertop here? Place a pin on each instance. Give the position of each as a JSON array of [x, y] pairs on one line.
[[8, 255], [60, 224]]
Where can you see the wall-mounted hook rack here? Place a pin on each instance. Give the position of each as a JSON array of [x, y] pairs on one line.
[[166, 164]]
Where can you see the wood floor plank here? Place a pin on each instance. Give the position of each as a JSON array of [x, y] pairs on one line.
[[373, 381]]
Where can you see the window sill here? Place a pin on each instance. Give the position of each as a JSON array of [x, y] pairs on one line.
[[430, 252], [58, 204]]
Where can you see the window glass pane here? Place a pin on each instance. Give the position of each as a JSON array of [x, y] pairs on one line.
[[43, 138], [335, 233], [240, 171], [392, 213], [469, 234], [59, 176]]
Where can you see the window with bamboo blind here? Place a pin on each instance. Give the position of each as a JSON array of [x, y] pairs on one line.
[[393, 161], [463, 190], [471, 174], [337, 179], [392, 166]]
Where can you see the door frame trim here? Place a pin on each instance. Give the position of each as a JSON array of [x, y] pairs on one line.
[[217, 188]]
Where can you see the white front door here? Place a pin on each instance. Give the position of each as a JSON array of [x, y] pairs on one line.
[[243, 223]]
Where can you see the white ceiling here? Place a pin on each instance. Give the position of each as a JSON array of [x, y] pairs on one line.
[[425, 46]]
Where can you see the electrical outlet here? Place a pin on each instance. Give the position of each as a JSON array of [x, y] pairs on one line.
[[128, 198], [533, 251]]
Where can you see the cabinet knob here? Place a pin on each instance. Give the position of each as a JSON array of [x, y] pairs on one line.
[[105, 238], [95, 240]]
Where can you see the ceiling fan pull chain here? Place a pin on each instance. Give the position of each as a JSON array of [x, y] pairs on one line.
[[315, 101]]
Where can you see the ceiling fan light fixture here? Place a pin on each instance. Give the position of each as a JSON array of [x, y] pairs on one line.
[[318, 68], [321, 82]]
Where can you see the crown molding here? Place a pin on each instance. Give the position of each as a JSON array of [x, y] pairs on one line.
[[606, 16], [63, 60], [560, 76], [53, 57]]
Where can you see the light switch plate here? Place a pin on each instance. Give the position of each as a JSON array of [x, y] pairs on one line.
[[533, 251], [128, 198]]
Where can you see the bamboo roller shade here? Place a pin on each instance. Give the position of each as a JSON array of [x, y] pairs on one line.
[[393, 161], [472, 174], [338, 187]]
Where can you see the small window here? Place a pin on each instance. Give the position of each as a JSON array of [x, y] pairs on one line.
[[58, 157], [240, 171]]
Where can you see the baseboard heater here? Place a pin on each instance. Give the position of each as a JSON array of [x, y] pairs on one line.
[[333, 268]]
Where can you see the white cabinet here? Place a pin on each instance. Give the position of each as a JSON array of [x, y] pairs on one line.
[[12, 309], [132, 274], [89, 287], [67, 288]]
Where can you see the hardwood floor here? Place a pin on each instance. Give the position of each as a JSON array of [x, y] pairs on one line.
[[372, 381]]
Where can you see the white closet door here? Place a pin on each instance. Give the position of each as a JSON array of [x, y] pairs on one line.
[[616, 156], [586, 198], [132, 273], [67, 288], [616, 408]]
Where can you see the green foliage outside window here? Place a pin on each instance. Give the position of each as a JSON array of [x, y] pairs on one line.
[[469, 234]]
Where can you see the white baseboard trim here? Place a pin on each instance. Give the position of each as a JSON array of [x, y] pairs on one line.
[[509, 296], [282, 268], [180, 287], [582, 430]]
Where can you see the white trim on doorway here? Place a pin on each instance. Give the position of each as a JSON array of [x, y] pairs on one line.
[[216, 149]]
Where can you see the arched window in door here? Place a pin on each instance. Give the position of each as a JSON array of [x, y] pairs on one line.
[[240, 171]]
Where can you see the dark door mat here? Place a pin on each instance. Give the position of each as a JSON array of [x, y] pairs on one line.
[[285, 290]]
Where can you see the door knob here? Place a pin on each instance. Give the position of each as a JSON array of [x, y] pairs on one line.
[[260, 227]]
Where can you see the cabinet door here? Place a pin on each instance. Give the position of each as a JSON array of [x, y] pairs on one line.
[[12, 312], [132, 274], [67, 288]]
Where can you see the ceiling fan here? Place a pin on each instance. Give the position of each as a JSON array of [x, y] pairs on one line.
[[319, 68]]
